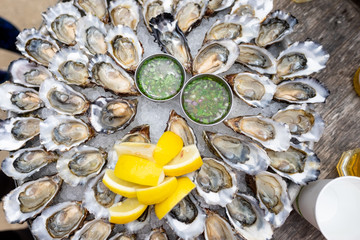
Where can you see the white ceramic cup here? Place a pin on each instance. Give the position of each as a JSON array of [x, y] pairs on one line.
[[332, 206]]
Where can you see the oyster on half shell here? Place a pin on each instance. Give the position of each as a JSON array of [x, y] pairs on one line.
[[138, 134], [97, 8], [189, 12], [152, 8], [216, 228], [252, 8], [178, 125], [218, 5], [124, 12], [96, 229]]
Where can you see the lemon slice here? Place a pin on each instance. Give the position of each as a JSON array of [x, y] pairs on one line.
[[138, 170], [119, 186], [128, 210], [185, 185], [188, 160], [143, 150], [168, 146], [152, 195]]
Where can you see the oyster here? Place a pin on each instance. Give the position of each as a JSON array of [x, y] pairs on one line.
[[178, 125], [271, 191], [80, 164], [105, 72], [15, 132], [63, 132], [26, 162], [62, 98], [29, 199], [152, 8], [109, 115], [97, 8], [19, 99], [35, 46], [90, 35], [233, 27], [257, 58], [301, 90], [247, 218], [69, 65], [275, 27], [301, 58], [266, 131], [237, 153], [157, 234], [252, 8], [124, 47], [186, 218], [141, 222], [124, 12], [61, 20], [95, 229], [98, 198], [218, 5], [28, 73], [139, 134], [171, 39], [254, 89], [188, 13], [215, 182], [298, 163], [304, 123], [123, 236], [216, 57], [58, 221], [216, 228]]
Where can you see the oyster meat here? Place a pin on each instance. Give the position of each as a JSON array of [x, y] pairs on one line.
[[97, 8], [152, 8], [189, 12], [216, 228], [124, 12], [252, 8], [157, 234], [26, 162], [30, 198], [178, 125], [96, 229], [218, 5], [140, 134]]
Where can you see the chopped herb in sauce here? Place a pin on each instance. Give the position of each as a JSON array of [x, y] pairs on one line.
[[160, 78]]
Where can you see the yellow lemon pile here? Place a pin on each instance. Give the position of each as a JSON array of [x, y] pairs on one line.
[[146, 175]]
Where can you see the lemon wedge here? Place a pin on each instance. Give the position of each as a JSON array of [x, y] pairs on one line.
[[138, 170], [188, 160], [185, 185], [152, 195], [126, 211], [168, 146], [143, 150], [119, 186]]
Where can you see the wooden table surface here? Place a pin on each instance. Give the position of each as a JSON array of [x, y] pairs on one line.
[[336, 25]]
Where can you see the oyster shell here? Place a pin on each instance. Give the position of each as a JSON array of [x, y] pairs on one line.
[[35, 46], [28, 73], [69, 65], [275, 27], [123, 236], [216, 57], [266, 131], [178, 125], [215, 182], [171, 39], [26, 162], [124, 12], [96, 229], [271, 191], [157, 234], [301, 58], [252, 8], [19, 99], [298, 163], [247, 218], [139, 134], [63, 132], [15, 132], [218, 5], [254, 89], [304, 123], [216, 228], [29, 199], [109, 115], [233, 27], [301, 90], [124, 47], [90, 35], [186, 218], [62, 98], [257, 58], [141, 222], [188, 13], [106, 73], [61, 20], [98, 198], [58, 221], [237, 153], [152, 8], [80, 164], [97, 8]]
